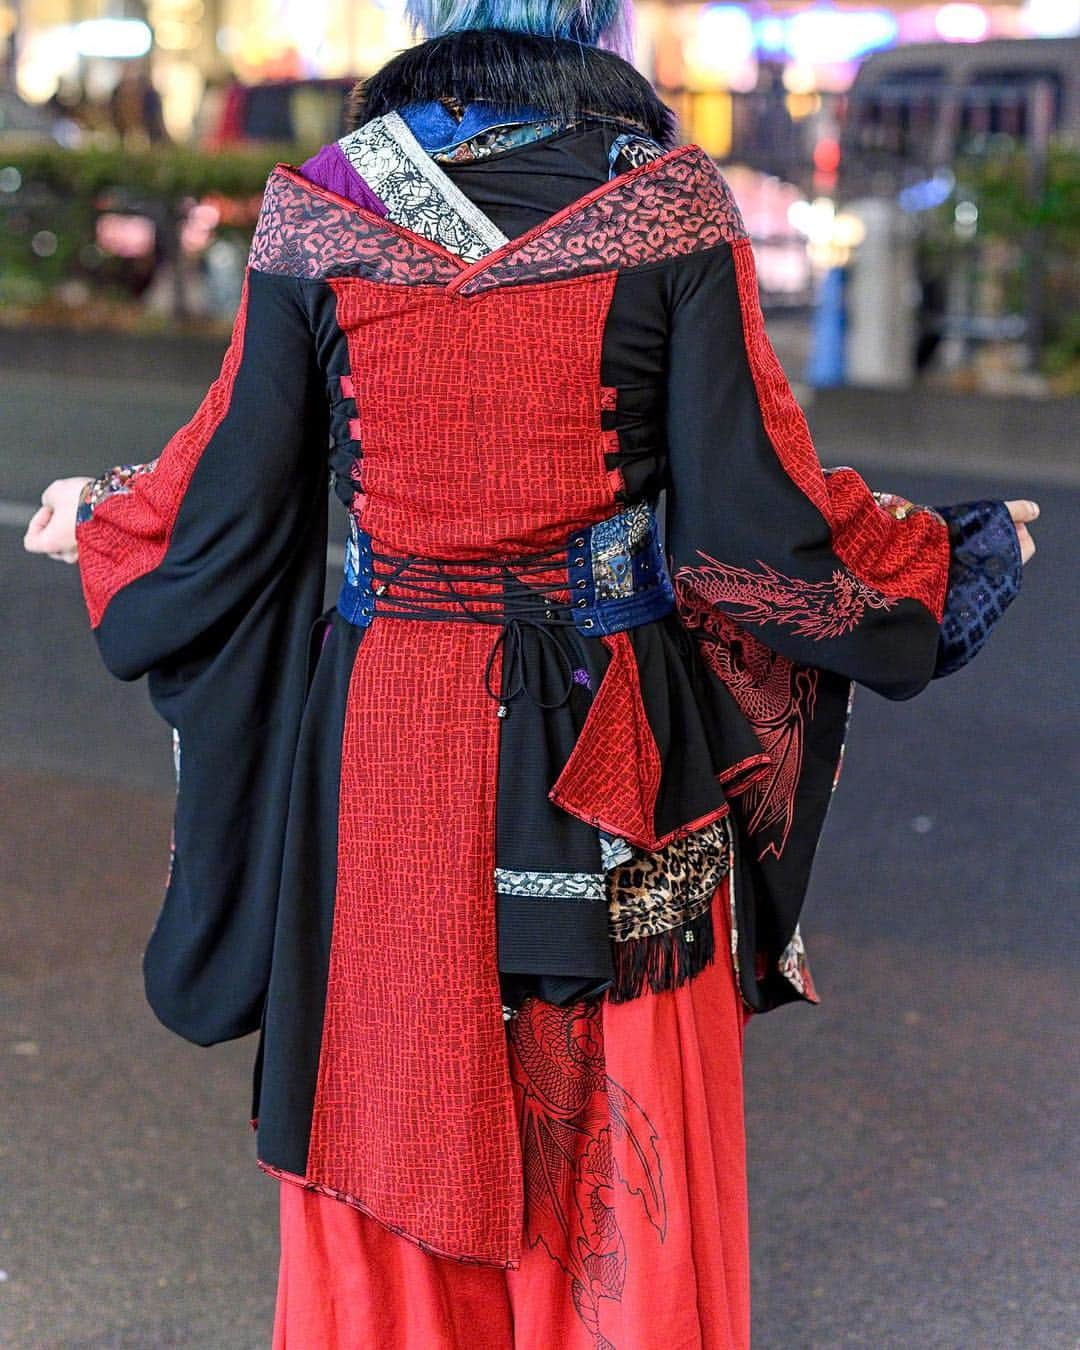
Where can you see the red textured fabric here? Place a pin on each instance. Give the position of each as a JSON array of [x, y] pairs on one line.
[[455, 392], [612, 776], [609, 397], [900, 558], [128, 534], [410, 1058], [636, 1229], [413, 1112]]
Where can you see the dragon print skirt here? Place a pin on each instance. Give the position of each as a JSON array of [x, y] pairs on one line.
[[636, 1228]]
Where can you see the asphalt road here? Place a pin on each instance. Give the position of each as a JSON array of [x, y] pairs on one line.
[[913, 1140]]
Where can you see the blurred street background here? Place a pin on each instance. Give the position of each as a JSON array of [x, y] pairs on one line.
[[910, 176]]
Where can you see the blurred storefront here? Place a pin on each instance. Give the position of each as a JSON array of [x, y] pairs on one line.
[[711, 61], [862, 141], [70, 49]]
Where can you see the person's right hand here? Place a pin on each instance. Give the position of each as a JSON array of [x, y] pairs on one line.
[[1021, 512]]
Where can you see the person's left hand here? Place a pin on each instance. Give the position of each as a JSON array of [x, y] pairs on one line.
[[52, 526]]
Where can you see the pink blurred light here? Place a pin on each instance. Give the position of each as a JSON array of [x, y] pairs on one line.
[[125, 236]]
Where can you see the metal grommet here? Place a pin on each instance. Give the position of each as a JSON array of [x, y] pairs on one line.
[[579, 562], [587, 624], [579, 542], [582, 584], [582, 603]]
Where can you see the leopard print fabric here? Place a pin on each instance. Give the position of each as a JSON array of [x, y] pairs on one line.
[[656, 892]]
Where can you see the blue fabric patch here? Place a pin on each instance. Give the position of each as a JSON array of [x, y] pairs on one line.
[[437, 129], [618, 576], [356, 603], [984, 578]]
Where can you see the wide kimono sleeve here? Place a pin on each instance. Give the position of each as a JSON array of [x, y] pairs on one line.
[[800, 582], [204, 569]]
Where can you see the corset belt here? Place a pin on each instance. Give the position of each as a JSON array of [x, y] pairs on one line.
[[606, 577]]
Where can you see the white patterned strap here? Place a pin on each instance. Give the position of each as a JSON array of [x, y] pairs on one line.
[[418, 195]]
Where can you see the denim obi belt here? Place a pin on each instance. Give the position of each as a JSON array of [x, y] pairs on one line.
[[606, 577]]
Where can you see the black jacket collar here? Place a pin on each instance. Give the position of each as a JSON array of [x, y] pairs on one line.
[[566, 78]]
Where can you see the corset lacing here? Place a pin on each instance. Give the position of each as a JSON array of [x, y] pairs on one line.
[[431, 578]]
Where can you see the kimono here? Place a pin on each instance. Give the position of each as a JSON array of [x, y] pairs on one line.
[[567, 740]]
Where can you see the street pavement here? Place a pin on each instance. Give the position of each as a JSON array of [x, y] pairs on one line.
[[912, 1140]]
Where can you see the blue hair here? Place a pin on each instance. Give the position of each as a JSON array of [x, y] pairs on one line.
[[597, 23]]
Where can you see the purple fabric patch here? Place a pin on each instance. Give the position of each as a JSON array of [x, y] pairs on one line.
[[581, 676], [330, 168]]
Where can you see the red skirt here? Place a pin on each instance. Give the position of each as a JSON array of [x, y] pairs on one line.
[[636, 1222]]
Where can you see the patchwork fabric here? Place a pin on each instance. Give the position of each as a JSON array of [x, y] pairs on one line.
[[389, 158], [985, 573], [617, 572], [613, 545], [494, 139], [588, 886], [308, 231], [118, 479], [673, 204], [433, 855]]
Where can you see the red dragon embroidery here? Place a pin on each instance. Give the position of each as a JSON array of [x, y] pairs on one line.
[[776, 695], [815, 609], [573, 1115]]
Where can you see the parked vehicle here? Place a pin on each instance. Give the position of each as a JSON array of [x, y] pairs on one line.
[[915, 108]]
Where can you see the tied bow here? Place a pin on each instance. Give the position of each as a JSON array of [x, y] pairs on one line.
[[515, 675]]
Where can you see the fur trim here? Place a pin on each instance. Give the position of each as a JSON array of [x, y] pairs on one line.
[[564, 77]]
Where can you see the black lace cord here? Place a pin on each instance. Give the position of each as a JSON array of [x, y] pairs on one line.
[[515, 612], [512, 629]]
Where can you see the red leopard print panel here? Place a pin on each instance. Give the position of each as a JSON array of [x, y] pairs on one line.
[[679, 203], [308, 231], [673, 205]]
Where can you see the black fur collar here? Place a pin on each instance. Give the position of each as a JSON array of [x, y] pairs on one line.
[[566, 78]]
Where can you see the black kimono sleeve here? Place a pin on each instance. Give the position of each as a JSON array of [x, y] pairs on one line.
[[799, 582], [204, 569]]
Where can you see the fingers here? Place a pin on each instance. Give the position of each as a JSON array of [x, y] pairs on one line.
[[1022, 510], [51, 529], [1027, 544], [33, 540]]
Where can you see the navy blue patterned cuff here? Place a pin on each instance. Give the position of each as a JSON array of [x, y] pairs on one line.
[[984, 578]]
